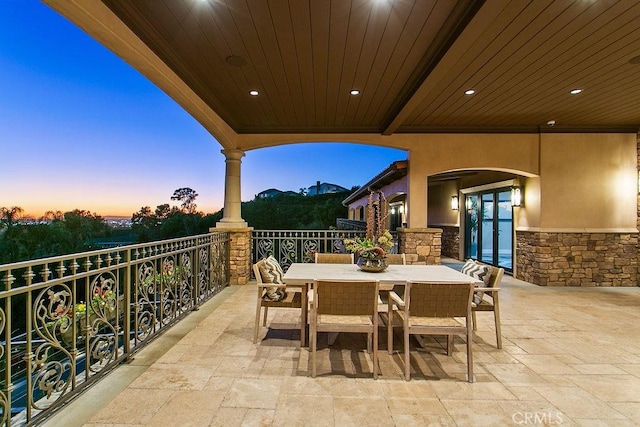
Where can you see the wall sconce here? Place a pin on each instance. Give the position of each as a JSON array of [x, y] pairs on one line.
[[401, 209], [468, 203], [454, 203], [516, 196], [393, 210]]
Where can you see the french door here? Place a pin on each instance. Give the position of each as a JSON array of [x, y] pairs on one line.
[[489, 227]]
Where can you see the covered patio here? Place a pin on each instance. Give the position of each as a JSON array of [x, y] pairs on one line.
[[570, 357], [482, 96]]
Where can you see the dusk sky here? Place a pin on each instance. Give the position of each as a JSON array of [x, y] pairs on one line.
[[81, 129]]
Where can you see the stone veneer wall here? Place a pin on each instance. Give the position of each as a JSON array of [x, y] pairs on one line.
[[420, 245], [451, 241], [577, 259], [239, 256]]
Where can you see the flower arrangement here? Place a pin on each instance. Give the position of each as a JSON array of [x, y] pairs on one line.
[[377, 240]]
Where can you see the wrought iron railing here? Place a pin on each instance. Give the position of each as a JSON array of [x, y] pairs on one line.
[[67, 321], [290, 246]]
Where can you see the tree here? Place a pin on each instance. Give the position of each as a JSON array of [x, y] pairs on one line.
[[53, 216], [144, 224], [9, 216], [187, 196], [163, 211]]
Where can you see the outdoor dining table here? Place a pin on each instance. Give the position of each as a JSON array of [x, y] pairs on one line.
[[303, 274]]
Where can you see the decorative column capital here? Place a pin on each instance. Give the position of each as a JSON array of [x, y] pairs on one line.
[[233, 153]]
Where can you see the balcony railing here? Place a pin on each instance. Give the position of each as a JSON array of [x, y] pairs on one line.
[[290, 246], [67, 321]]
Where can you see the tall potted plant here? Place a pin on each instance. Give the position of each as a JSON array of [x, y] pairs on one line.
[[372, 249]]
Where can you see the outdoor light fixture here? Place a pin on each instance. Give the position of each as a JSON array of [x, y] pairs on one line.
[[516, 196], [468, 203], [454, 203]]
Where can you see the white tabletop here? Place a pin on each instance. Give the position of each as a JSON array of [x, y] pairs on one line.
[[299, 274]]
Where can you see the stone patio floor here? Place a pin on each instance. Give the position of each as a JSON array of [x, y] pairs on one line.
[[571, 356]]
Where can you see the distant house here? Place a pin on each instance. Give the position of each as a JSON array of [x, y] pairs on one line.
[[393, 183], [324, 188], [273, 192]]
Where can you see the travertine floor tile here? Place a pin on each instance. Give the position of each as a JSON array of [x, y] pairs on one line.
[[301, 410], [361, 411], [188, 408], [133, 406], [257, 393], [174, 377], [577, 403]]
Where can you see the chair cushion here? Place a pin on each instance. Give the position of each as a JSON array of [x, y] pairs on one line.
[[271, 272], [477, 271]]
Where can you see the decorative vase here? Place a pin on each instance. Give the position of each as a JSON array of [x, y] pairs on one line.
[[372, 265]]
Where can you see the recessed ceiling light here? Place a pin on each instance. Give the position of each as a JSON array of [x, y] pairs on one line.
[[254, 93], [236, 61], [575, 91], [355, 92], [469, 92]]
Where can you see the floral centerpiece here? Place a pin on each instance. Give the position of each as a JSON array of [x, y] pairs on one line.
[[372, 249]]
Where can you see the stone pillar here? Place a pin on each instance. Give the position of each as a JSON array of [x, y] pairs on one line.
[[239, 254], [451, 241], [420, 245], [232, 198]]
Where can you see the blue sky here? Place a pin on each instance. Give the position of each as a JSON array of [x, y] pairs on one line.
[[81, 129]]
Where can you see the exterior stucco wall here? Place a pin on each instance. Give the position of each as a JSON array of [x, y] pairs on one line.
[[439, 202], [432, 154], [588, 182]]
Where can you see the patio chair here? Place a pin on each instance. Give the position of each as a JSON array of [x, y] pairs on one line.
[[268, 280], [345, 306], [486, 299], [392, 259], [432, 309], [396, 259], [330, 258]]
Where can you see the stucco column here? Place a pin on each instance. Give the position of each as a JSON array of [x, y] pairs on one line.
[[232, 199]]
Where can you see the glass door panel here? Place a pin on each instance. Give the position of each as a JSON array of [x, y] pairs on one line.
[[472, 231], [487, 229], [505, 231]]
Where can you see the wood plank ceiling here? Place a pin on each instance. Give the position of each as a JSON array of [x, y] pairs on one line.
[[411, 60]]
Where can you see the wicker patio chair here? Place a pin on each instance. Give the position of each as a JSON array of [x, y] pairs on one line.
[[396, 259], [292, 299], [329, 258], [392, 259], [345, 306], [431, 309], [487, 299]]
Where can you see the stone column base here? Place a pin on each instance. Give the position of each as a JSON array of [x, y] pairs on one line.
[[239, 254], [420, 245]]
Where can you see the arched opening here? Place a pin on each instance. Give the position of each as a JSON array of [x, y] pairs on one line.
[[483, 225]]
